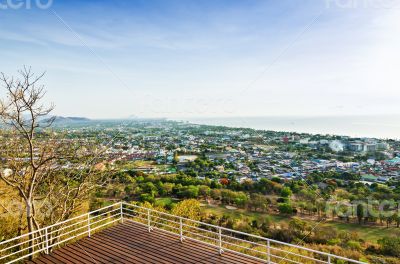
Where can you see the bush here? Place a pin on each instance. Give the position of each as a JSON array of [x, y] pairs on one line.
[[188, 209], [390, 246], [322, 234], [282, 235], [353, 245], [146, 197], [190, 191], [382, 260], [285, 208], [282, 200], [164, 202], [339, 251], [334, 241], [286, 192]]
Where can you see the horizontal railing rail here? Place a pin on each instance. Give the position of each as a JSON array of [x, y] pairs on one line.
[[223, 239]]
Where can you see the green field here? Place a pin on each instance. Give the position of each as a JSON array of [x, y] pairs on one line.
[[166, 201], [367, 233], [238, 213]]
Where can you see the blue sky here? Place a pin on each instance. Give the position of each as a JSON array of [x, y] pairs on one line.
[[114, 59]]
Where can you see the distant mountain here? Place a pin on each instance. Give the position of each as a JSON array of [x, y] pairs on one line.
[[68, 119]]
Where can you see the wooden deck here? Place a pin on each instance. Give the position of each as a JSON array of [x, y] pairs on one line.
[[132, 243]]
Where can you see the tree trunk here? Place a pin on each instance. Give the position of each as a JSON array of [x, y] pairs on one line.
[[29, 221]]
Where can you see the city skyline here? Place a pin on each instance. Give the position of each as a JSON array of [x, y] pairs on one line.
[[209, 59]]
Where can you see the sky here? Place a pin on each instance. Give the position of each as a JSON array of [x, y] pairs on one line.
[[180, 59]]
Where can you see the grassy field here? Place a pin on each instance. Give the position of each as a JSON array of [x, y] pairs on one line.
[[166, 201], [368, 233]]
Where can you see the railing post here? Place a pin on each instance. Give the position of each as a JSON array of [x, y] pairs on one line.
[[269, 251], [88, 224], [180, 229], [122, 213], [220, 240], [148, 220], [47, 241], [329, 259]]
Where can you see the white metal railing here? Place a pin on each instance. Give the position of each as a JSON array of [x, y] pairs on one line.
[[223, 239], [44, 239]]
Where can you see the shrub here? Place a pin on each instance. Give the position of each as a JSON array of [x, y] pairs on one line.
[[188, 209], [282, 200], [286, 192], [353, 245], [190, 191], [146, 197], [334, 241], [285, 208], [382, 260], [390, 246]]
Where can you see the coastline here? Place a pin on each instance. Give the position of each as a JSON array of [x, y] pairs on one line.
[[379, 126]]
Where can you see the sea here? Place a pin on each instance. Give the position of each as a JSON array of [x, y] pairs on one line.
[[378, 126]]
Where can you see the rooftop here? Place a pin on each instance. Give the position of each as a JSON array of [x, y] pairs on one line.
[[127, 233]]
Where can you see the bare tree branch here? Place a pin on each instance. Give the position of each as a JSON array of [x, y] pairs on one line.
[[44, 167]]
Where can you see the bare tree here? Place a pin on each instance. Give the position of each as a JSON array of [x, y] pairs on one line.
[[52, 174]]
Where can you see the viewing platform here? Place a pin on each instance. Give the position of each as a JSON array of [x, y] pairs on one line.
[[126, 233], [132, 243]]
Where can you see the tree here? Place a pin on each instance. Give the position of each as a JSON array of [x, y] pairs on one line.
[[397, 219], [190, 191], [176, 158], [204, 191], [167, 188], [258, 201], [390, 219], [147, 197], [286, 192], [285, 208], [150, 188], [224, 181], [299, 227], [36, 157], [361, 212], [188, 208]]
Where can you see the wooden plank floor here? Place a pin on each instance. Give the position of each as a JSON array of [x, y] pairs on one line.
[[131, 243]]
